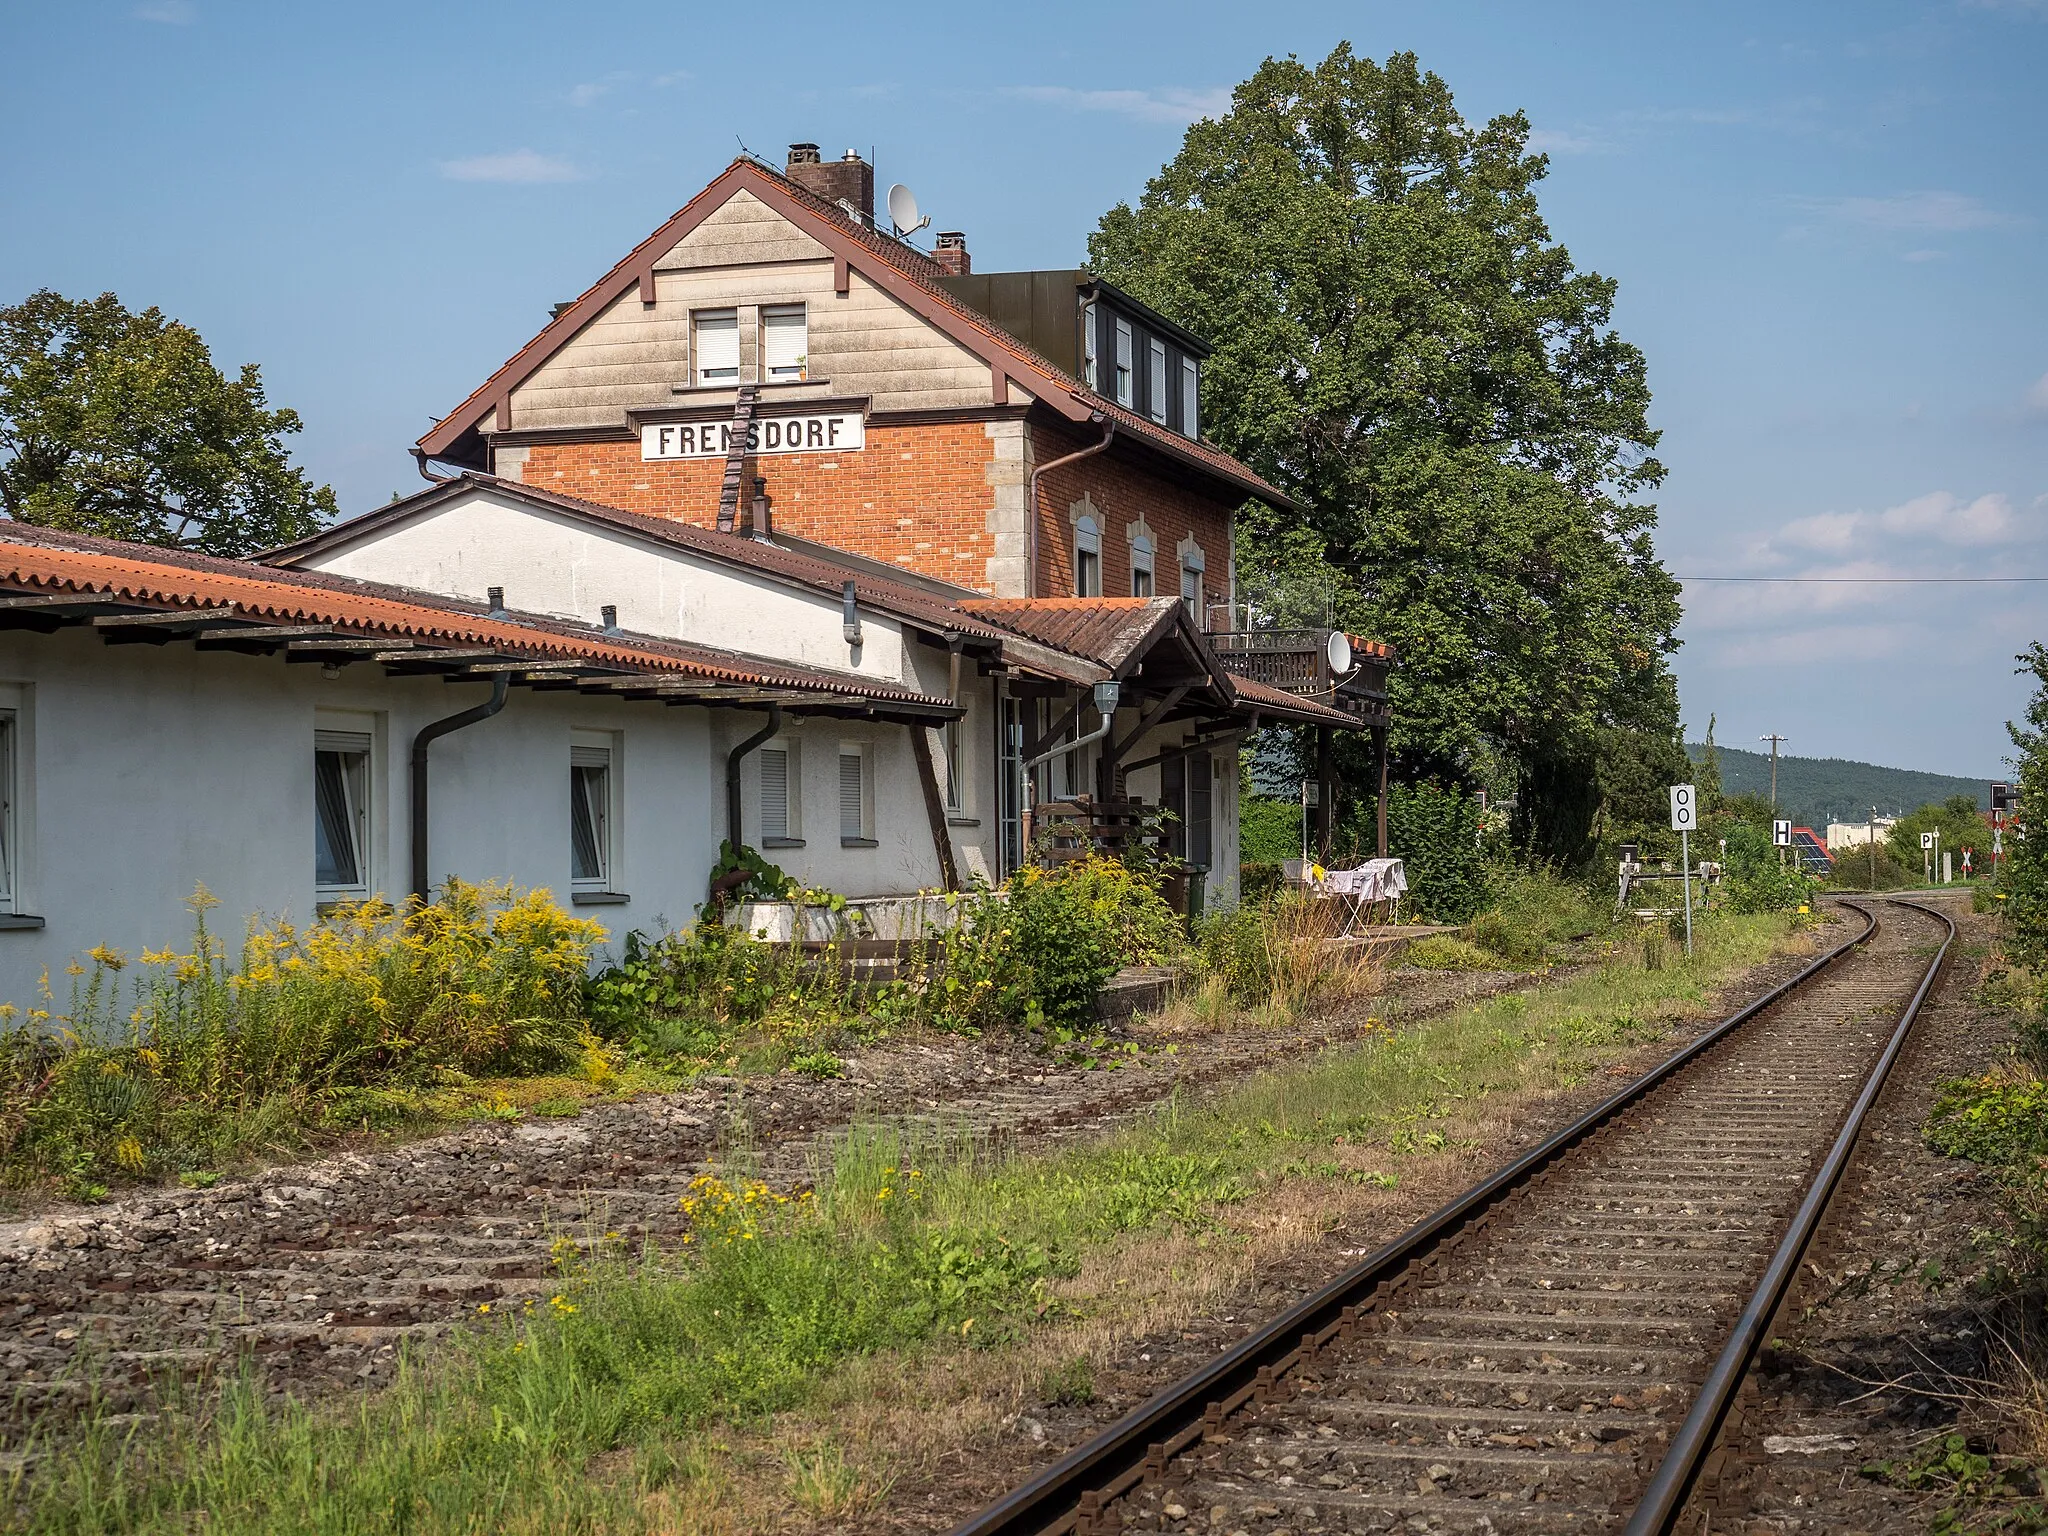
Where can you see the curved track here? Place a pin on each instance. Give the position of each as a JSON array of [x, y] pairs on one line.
[[1555, 1350]]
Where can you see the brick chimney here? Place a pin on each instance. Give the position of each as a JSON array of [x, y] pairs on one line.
[[951, 253], [847, 180]]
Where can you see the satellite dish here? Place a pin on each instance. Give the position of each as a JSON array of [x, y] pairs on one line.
[[903, 210], [1339, 650]]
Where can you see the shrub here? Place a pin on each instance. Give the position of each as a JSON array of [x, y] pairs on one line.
[[1268, 829], [1436, 831], [174, 1055], [1445, 952], [1274, 953], [1533, 907]]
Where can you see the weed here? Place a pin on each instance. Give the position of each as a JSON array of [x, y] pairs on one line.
[[817, 1064], [1444, 952], [1376, 1180], [1070, 1382], [824, 1484]]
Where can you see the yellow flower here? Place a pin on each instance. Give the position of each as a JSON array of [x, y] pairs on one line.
[[485, 1309]]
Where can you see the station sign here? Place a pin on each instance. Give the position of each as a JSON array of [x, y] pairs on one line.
[[1781, 833], [822, 432]]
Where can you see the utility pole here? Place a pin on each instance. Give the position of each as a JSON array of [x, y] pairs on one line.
[[1774, 738], [1873, 847]]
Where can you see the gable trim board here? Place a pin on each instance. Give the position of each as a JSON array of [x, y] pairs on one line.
[[898, 270]]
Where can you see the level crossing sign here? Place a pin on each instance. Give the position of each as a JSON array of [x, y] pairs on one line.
[[1685, 808], [1781, 833]]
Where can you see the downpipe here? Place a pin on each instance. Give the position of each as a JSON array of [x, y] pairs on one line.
[[733, 820], [428, 735]]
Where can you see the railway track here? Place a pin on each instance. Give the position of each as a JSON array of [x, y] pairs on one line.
[[1555, 1350]]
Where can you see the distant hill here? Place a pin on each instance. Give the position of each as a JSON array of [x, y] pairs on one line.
[[1814, 791]]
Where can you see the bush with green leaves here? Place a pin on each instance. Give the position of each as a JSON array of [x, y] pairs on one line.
[[1759, 879], [1268, 829], [2024, 880], [1436, 831]]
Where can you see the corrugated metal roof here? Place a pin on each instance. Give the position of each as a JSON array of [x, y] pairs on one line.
[[50, 560]]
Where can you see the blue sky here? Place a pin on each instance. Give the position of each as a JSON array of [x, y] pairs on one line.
[[1826, 220]]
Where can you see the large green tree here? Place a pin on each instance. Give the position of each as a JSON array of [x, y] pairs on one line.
[[1404, 350], [2025, 876], [119, 424]]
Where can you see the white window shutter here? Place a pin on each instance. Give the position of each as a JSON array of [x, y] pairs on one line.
[[718, 346], [1155, 381], [784, 342], [774, 792], [852, 794]]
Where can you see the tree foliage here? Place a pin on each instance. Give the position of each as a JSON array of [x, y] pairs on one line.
[[2025, 876], [119, 424], [1404, 350]]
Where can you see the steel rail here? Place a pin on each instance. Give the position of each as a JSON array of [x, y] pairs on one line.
[[1663, 1503], [1069, 1494]]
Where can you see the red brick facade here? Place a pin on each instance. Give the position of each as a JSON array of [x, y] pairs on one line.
[[920, 497], [1124, 493], [915, 496]]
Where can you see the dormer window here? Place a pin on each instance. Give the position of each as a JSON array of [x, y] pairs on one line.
[[1123, 362], [783, 342], [1089, 368], [717, 344], [1155, 379], [1190, 397]]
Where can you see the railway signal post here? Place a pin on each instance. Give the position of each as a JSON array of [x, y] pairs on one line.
[[1685, 816]]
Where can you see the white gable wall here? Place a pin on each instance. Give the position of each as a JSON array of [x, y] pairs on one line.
[[556, 564]]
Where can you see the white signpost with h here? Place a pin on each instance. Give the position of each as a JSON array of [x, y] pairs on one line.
[[1685, 820]]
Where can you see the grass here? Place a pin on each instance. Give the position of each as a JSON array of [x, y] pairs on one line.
[[945, 1274]]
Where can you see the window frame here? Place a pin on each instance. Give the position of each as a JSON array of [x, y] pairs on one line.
[[699, 374], [1144, 568], [1155, 379], [792, 833], [792, 373], [1125, 351], [10, 802], [1193, 563], [359, 806], [1191, 398], [1091, 345], [1087, 557], [953, 746], [863, 753], [606, 838]]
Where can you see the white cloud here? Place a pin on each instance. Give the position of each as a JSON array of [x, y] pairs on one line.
[[1939, 517], [1552, 141], [1917, 256], [2037, 397], [1946, 212], [589, 92], [1168, 104], [172, 13], [519, 165]]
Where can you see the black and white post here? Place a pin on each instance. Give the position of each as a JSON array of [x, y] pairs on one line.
[[1685, 816]]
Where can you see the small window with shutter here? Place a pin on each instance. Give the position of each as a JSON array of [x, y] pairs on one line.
[[717, 342], [1088, 345], [784, 347], [1123, 362], [855, 823], [1155, 380], [781, 825], [1190, 397], [593, 813], [341, 815]]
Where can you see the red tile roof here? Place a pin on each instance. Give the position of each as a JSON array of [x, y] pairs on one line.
[[50, 561], [1106, 629], [1035, 373], [1278, 701]]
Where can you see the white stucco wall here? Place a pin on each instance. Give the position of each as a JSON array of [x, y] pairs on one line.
[[551, 563], [144, 771]]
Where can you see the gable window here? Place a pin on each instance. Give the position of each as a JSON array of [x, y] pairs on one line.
[[1089, 342], [1087, 557], [341, 815], [593, 814], [1190, 397], [1141, 566], [783, 343], [717, 345], [1155, 379], [1123, 362], [781, 801], [856, 819]]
